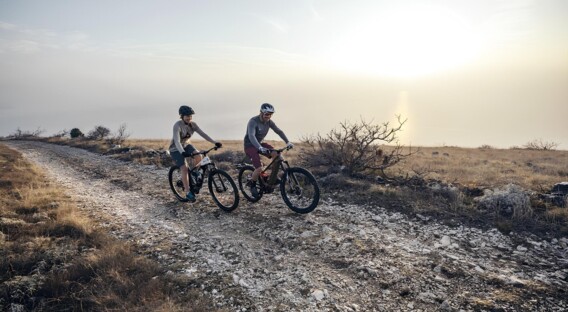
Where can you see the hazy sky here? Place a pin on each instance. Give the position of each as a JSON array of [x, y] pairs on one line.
[[464, 73]]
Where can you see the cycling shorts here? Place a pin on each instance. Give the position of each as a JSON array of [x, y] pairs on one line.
[[179, 159], [253, 154]]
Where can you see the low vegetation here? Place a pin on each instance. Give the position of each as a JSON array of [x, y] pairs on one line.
[[356, 148], [363, 163], [54, 259]]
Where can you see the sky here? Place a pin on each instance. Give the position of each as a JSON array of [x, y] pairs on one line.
[[462, 73]]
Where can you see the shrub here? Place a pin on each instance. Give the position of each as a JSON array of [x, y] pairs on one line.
[[76, 133], [512, 201], [355, 149], [61, 134], [98, 133], [21, 135], [541, 145], [119, 137]]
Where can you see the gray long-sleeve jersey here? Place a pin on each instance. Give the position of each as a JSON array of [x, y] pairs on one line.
[[257, 131], [182, 134]]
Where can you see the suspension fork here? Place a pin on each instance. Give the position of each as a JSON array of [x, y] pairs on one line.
[[276, 165], [291, 178]]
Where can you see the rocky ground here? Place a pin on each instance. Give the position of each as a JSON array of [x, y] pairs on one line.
[[341, 257]]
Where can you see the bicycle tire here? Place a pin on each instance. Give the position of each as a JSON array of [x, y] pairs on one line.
[[243, 177], [174, 178], [223, 190], [300, 190]]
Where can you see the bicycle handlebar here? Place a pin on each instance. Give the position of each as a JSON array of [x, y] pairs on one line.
[[279, 151], [205, 152]]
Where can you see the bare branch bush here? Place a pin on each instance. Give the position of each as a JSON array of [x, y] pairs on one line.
[[119, 136], [98, 133], [541, 145], [20, 134], [356, 148], [61, 134]]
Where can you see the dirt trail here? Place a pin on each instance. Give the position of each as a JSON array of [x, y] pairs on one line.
[[264, 257]]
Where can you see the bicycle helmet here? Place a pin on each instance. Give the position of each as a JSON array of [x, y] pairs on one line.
[[266, 108], [186, 110]]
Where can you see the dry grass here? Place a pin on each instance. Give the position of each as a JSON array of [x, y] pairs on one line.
[[54, 259], [451, 180], [491, 168]]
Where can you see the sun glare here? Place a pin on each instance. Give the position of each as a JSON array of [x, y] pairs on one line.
[[406, 42]]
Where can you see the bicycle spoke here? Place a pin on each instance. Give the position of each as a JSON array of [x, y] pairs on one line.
[[245, 174], [223, 190], [300, 190], [176, 184]]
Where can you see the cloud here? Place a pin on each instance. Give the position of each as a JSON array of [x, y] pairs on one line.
[[315, 14], [25, 46], [7, 26], [279, 25], [21, 40]]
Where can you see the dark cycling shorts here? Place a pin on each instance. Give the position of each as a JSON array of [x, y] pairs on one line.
[[253, 154], [178, 158]]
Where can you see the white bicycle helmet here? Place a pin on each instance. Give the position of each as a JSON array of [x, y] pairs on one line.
[[266, 108]]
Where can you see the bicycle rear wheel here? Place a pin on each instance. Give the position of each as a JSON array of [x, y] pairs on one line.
[[223, 190], [244, 176], [176, 184], [300, 190]]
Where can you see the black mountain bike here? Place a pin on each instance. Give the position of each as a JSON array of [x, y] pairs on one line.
[[298, 186], [221, 186]]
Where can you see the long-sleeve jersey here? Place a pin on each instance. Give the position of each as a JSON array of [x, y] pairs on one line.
[[182, 133], [257, 131]]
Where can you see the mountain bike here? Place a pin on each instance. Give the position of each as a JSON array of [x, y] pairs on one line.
[[298, 187], [221, 186]]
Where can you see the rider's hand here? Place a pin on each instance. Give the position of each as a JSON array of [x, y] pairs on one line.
[[218, 144], [263, 150], [289, 145], [186, 154]]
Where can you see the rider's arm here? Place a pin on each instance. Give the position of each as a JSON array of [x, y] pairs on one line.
[[177, 138], [201, 133], [251, 133], [278, 131]]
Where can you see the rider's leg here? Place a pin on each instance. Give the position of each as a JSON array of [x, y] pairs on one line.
[[257, 163], [182, 164], [185, 173], [197, 159], [184, 178], [256, 174], [252, 153]]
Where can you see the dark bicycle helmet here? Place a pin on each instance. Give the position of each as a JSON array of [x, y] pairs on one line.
[[186, 110], [266, 108]]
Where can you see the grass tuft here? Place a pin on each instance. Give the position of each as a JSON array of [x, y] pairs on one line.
[[54, 259]]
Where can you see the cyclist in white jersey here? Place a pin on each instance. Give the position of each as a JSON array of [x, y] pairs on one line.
[[181, 147]]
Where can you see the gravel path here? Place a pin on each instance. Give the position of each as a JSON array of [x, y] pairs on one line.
[[264, 257]]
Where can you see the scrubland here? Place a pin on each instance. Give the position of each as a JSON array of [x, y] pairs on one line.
[[82, 267], [55, 259]]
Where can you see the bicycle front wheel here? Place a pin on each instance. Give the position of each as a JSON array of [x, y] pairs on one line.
[[223, 190], [300, 190], [176, 184]]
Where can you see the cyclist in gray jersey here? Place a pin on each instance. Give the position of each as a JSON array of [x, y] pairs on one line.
[[257, 129], [181, 147]]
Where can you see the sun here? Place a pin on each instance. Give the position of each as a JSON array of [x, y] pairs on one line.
[[406, 42]]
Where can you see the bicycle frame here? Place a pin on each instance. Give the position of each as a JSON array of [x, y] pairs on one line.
[[277, 164], [205, 165], [298, 187], [221, 186]]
